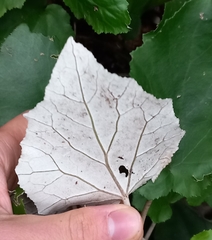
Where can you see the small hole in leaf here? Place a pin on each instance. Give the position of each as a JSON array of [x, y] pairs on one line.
[[122, 169]]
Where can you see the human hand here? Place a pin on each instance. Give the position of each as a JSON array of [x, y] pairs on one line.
[[108, 222]]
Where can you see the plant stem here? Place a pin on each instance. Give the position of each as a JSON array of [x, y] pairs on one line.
[[149, 232], [145, 210], [126, 201]]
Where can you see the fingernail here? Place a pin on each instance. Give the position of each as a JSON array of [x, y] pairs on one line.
[[124, 224]]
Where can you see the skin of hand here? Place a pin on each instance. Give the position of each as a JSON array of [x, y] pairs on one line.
[[108, 222]]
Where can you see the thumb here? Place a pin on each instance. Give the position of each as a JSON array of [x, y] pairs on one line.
[[109, 222]]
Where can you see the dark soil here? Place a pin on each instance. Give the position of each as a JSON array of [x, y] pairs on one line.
[[113, 51]]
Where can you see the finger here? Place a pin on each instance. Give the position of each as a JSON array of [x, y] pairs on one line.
[[111, 222], [11, 135], [5, 204]]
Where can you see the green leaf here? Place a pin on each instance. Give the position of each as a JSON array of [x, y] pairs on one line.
[[108, 16], [161, 187], [136, 8], [176, 63], [209, 200], [17, 202], [171, 8], [160, 209], [138, 201], [153, 3], [55, 22], [204, 197], [205, 235], [51, 20], [26, 66], [21, 204], [6, 5], [185, 222]]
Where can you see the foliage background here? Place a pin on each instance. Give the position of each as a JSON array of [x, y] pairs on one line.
[[171, 61]]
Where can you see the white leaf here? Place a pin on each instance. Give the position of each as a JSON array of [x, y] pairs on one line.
[[96, 137]]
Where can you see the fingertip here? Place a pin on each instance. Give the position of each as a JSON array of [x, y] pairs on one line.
[[125, 224]]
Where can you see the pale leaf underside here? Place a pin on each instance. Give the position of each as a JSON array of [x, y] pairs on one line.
[[95, 137]]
